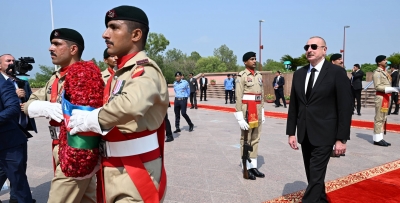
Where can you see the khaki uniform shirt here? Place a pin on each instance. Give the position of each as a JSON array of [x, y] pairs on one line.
[[141, 102], [105, 74], [44, 94], [247, 83], [381, 80]]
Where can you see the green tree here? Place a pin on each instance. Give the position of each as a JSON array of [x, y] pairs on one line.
[[40, 79], [394, 59], [226, 56], [156, 44], [210, 64], [101, 64], [194, 56], [328, 57], [271, 65], [367, 67], [174, 55]]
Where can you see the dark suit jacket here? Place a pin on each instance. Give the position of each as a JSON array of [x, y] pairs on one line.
[[205, 83], [193, 84], [280, 82], [357, 79], [326, 117], [31, 126], [395, 76], [10, 133]]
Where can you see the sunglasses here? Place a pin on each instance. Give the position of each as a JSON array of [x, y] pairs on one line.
[[313, 47]]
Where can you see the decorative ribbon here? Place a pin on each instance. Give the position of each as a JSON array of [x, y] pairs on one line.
[[385, 101], [83, 140]]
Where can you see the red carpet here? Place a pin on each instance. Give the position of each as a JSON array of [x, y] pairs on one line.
[[391, 127], [379, 184]]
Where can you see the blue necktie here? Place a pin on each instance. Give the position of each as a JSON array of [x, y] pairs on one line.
[[22, 116]]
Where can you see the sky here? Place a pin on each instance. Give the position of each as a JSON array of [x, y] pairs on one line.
[[205, 25]]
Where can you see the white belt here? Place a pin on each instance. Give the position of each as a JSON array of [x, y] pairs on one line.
[[252, 97], [132, 147]]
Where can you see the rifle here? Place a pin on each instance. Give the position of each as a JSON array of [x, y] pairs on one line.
[[246, 149], [384, 127]]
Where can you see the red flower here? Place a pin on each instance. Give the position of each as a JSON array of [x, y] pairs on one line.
[[83, 86]]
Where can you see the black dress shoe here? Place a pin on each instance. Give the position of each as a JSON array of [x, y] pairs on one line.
[[251, 175], [285, 106], [205, 100], [226, 102], [257, 173], [359, 114], [395, 113], [195, 107], [192, 107], [177, 130], [387, 143], [191, 127], [169, 138], [381, 143]]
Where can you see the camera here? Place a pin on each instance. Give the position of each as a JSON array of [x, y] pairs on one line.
[[20, 67]]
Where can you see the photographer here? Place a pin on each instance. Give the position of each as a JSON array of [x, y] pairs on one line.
[[23, 91]]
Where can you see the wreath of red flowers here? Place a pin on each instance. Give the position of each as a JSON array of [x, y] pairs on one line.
[[83, 86]]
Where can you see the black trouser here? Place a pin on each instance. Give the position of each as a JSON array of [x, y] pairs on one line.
[[394, 99], [230, 92], [168, 131], [193, 97], [233, 96], [357, 97], [180, 107], [203, 90], [316, 160], [279, 95]]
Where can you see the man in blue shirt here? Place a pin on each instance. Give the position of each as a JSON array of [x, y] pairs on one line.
[[228, 84], [182, 92]]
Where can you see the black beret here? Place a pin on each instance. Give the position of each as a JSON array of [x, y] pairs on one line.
[[335, 57], [380, 58], [178, 74], [248, 55], [130, 13], [68, 34], [105, 54]]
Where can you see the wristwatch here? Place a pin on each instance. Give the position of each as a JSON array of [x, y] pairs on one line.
[[343, 141]]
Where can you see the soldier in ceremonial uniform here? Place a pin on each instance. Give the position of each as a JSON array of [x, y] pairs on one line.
[[132, 119], [249, 98], [111, 61], [382, 83], [66, 48], [182, 92]]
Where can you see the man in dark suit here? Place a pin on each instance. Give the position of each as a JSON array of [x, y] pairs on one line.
[[203, 87], [23, 91], [194, 88], [13, 142], [356, 84], [395, 96], [278, 83], [320, 108]]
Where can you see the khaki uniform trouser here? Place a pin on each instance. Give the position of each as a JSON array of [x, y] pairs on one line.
[[380, 117], [69, 190], [119, 187], [253, 139]]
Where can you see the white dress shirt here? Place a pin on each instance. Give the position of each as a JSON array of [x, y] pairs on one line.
[[318, 67]]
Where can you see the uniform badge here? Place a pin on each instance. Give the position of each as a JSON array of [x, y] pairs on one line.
[[56, 34], [118, 87], [249, 79], [138, 72], [260, 81], [111, 14], [49, 90], [141, 62]]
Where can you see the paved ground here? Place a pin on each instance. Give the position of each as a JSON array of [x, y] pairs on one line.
[[204, 165]]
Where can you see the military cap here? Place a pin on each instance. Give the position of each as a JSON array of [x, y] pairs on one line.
[[130, 13], [178, 74], [335, 57], [380, 58], [248, 55], [105, 54], [68, 34]]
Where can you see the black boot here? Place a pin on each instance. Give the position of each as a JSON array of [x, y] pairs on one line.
[[170, 138], [191, 127], [177, 130], [257, 173]]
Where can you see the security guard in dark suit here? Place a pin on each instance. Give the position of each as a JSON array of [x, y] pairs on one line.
[[395, 95], [182, 92]]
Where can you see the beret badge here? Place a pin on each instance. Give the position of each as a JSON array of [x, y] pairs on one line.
[[111, 14], [55, 34]]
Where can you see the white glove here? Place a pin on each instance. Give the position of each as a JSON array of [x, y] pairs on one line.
[[263, 116], [242, 123], [84, 121], [391, 89], [45, 109]]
